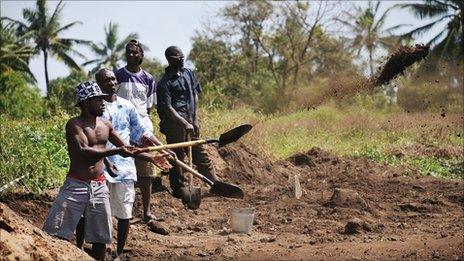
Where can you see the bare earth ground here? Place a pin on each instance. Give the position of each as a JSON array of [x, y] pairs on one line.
[[390, 216]]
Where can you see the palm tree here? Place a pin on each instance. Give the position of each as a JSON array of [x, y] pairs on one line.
[[367, 26], [45, 30], [111, 51], [15, 51], [448, 42]]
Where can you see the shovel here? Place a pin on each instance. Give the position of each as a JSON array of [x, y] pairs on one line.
[[191, 196], [224, 139], [217, 187]]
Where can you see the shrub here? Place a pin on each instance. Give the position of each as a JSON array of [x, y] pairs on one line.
[[35, 148], [429, 96], [17, 98], [63, 95], [442, 90]]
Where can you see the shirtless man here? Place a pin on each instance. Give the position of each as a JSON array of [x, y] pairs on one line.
[[84, 191]]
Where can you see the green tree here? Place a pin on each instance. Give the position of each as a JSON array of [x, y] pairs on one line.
[[17, 98], [367, 26], [45, 30], [15, 51], [112, 51], [263, 53], [154, 67], [447, 43], [219, 70], [63, 92]]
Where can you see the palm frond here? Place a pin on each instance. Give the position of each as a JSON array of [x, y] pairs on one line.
[[390, 30], [62, 45], [56, 14], [111, 33], [66, 27], [425, 28], [68, 60], [98, 50], [91, 61], [13, 21], [75, 41], [448, 4], [122, 44], [445, 47], [29, 15], [377, 5], [436, 37], [425, 10], [40, 15], [346, 23], [380, 22]]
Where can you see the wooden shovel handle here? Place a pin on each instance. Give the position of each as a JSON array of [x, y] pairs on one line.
[[175, 145], [194, 172], [190, 158]]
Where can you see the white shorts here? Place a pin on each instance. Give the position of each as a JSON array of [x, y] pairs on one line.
[[122, 197]]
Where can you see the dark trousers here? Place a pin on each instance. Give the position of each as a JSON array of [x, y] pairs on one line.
[[200, 158]]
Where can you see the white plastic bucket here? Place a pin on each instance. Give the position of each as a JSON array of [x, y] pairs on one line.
[[241, 220]]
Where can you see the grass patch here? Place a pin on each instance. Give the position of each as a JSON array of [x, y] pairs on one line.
[[38, 148], [437, 167]]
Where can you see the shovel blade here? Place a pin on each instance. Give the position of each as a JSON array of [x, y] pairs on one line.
[[226, 190], [191, 196], [234, 134]]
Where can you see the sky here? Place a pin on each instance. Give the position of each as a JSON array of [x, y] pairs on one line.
[[159, 24]]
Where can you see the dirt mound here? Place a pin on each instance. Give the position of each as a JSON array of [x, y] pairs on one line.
[[350, 208], [347, 198], [33, 207], [20, 240], [244, 166]]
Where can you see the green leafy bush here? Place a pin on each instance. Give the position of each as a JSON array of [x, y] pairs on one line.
[[17, 98], [63, 94], [36, 148]]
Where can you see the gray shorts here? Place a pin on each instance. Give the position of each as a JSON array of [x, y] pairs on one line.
[[77, 198]]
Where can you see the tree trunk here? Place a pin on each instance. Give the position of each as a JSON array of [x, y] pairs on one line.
[[371, 62], [295, 74], [47, 83]]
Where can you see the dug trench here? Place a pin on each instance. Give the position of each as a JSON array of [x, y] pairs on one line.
[[350, 209]]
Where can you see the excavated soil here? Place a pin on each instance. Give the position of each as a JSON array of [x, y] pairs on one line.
[[349, 209], [20, 237], [397, 63]]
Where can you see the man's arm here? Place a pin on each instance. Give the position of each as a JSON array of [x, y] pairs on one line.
[[111, 168], [173, 115], [76, 135]]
